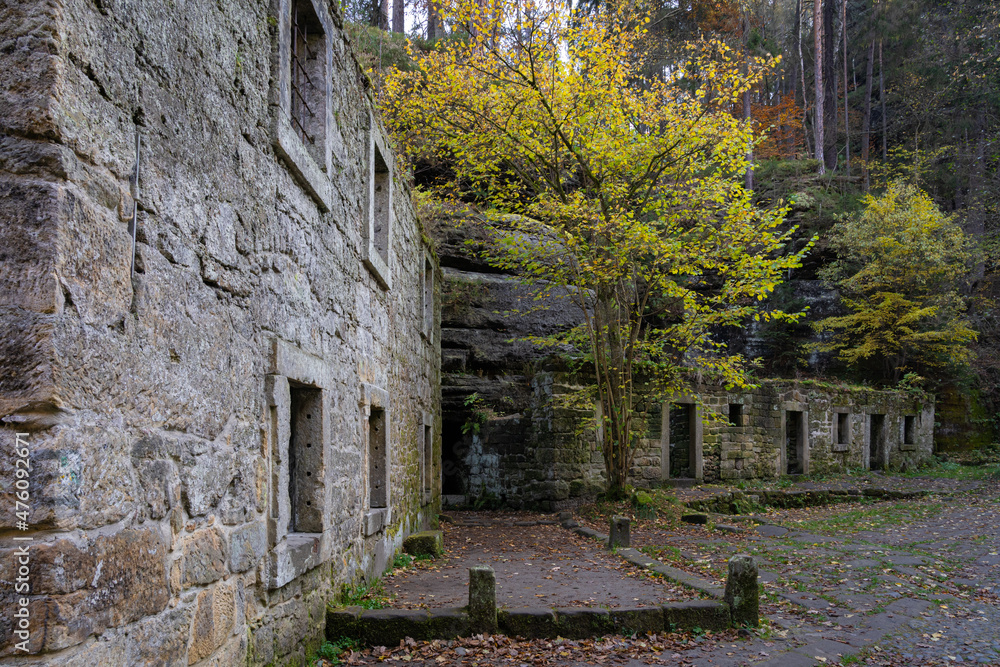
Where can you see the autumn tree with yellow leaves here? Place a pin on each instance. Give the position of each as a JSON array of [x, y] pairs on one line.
[[901, 264], [617, 191]]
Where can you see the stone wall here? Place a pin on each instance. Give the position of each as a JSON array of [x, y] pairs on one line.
[[549, 456], [222, 437]]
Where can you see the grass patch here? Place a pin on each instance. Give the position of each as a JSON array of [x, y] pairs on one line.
[[650, 507], [371, 595], [877, 517], [331, 652], [956, 470]]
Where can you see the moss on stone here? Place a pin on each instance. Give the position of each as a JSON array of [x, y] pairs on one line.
[[425, 543]]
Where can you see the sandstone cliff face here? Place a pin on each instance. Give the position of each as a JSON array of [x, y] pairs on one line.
[[164, 472]]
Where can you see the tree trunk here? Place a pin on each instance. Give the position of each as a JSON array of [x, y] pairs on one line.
[[830, 83], [615, 390], [866, 121], [847, 116], [802, 73], [818, 115], [399, 16], [881, 96], [434, 28], [380, 14]]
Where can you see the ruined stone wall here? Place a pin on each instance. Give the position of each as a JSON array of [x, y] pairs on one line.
[[203, 478], [752, 446], [553, 458]]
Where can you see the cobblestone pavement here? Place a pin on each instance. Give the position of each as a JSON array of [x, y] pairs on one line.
[[902, 583]]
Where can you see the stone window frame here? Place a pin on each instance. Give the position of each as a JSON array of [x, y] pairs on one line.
[[426, 458], [839, 444], [378, 215], [697, 431], [427, 285], [313, 175], [375, 518], [908, 445], [292, 554], [786, 407]]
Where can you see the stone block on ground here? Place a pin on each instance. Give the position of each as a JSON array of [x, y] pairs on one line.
[[343, 622], [728, 528], [425, 543], [620, 532], [386, 627], [695, 517], [483, 599], [742, 591]]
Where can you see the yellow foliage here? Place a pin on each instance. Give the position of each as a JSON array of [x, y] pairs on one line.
[[618, 190], [901, 261]]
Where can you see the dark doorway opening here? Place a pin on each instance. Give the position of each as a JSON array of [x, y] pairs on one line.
[[876, 442], [681, 440], [794, 449], [454, 476]]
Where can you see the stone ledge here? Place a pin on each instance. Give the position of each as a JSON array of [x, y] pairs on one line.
[[583, 531], [672, 573], [375, 520], [387, 627], [294, 556]]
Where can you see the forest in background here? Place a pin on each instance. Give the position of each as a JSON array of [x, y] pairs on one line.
[[867, 91]]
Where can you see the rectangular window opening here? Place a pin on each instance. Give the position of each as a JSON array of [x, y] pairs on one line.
[[308, 75], [736, 414], [428, 298], [428, 460], [305, 459], [909, 427], [843, 428], [382, 184], [794, 445], [377, 468]]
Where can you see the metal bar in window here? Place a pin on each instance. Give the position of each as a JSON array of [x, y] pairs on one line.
[[303, 135]]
